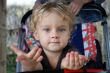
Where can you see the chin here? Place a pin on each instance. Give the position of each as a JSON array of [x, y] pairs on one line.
[[55, 49]]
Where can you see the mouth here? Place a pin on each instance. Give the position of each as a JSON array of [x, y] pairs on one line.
[[55, 42]]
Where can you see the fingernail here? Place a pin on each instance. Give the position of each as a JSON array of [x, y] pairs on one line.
[[76, 53], [72, 52], [68, 54]]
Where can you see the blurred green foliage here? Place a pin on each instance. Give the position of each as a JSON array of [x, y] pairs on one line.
[[11, 63]]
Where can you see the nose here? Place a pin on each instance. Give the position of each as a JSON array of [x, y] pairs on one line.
[[54, 34]]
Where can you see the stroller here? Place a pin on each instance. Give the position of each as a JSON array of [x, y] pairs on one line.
[[90, 13]]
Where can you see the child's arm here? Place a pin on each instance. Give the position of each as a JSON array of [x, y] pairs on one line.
[[73, 61], [29, 61]]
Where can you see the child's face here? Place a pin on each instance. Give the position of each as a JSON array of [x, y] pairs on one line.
[[52, 32]]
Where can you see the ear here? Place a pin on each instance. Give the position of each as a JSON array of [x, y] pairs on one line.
[[36, 35]]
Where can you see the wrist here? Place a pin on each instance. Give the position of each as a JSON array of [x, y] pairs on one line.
[[31, 68], [27, 68]]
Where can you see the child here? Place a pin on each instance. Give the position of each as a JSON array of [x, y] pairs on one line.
[[51, 24]]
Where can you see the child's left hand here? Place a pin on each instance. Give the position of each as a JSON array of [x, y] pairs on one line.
[[73, 61]]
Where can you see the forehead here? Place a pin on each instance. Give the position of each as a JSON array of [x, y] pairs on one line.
[[52, 15], [52, 12], [52, 18]]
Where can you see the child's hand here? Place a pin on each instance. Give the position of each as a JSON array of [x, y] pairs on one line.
[[73, 61], [29, 61]]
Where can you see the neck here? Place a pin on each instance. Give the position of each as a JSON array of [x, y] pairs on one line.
[[53, 57], [51, 54]]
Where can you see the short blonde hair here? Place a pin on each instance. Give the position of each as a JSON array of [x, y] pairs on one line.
[[59, 8]]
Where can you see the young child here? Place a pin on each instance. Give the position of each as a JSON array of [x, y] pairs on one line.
[[51, 24]]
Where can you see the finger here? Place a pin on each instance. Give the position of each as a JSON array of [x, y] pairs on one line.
[[85, 59], [64, 63], [76, 59], [67, 60], [81, 60], [16, 50], [73, 8], [77, 11], [32, 52], [20, 58], [39, 59], [76, 8], [38, 53], [72, 60]]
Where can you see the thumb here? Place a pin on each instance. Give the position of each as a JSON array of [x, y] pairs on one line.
[[65, 62]]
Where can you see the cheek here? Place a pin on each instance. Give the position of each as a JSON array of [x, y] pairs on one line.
[[64, 41], [43, 38], [65, 38]]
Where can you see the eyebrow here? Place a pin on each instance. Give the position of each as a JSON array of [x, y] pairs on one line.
[[57, 25]]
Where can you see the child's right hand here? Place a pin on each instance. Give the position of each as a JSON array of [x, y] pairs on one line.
[[29, 61]]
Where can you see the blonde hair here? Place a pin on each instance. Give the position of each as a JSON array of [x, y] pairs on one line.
[[59, 8]]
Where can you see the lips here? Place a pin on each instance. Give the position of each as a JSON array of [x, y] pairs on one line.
[[55, 42]]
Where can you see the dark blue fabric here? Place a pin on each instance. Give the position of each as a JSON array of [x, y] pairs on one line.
[[76, 39]]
